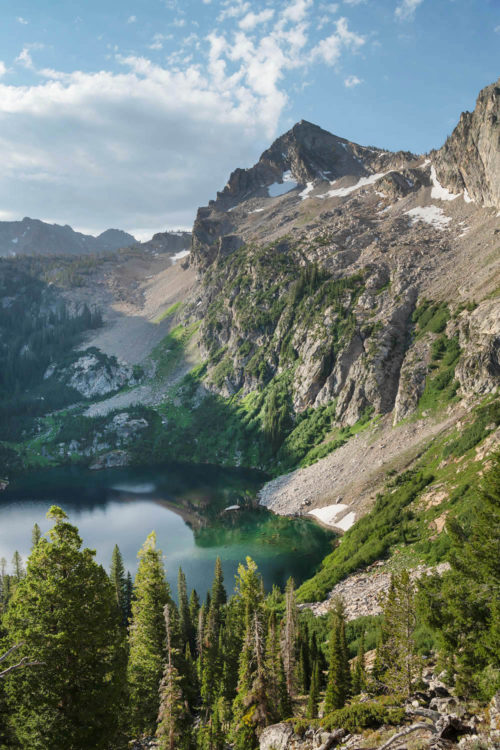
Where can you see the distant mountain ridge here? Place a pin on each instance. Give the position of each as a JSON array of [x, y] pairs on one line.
[[35, 237]]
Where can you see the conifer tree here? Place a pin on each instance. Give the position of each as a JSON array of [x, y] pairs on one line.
[[279, 699], [212, 662], [463, 606], [119, 582], [63, 613], [338, 681], [147, 638], [359, 673], [129, 593], [289, 638], [171, 731], [17, 567], [194, 608], [186, 627], [35, 536], [400, 622], [314, 693]]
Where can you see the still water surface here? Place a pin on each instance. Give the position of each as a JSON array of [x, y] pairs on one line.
[[184, 504]]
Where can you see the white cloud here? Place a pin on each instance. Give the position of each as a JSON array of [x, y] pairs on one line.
[[497, 29], [352, 81], [3, 68], [22, 20], [158, 39], [131, 19], [251, 20], [405, 10], [354, 2], [141, 147], [24, 58], [329, 50], [233, 9], [296, 10]]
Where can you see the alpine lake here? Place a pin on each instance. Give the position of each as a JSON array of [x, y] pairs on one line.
[[191, 509]]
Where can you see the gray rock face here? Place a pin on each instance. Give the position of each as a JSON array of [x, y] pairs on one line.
[[308, 153], [35, 237], [470, 158], [282, 737], [94, 375], [479, 369], [354, 213], [169, 243]]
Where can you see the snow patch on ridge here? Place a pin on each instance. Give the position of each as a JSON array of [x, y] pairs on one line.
[[439, 192], [362, 182], [181, 254], [305, 193], [430, 215]]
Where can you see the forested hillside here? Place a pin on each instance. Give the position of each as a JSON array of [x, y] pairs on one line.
[[197, 675]]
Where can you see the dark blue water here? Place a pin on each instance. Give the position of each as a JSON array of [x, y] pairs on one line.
[[185, 505]]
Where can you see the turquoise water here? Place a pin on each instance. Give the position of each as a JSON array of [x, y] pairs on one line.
[[184, 504]]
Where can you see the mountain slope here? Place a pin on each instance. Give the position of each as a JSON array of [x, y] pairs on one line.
[[35, 237]]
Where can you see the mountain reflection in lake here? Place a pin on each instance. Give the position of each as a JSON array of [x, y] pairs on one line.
[[184, 504]]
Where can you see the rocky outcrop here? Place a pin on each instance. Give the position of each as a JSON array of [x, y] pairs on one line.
[[479, 333], [283, 737], [169, 243], [361, 592], [470, 158], [93, 374], [111, 460]]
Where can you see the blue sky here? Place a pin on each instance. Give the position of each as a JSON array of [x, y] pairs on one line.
[[133, 114]]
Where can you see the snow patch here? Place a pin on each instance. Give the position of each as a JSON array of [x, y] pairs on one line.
[[439, 192], [181, 254], [362, 182], [430, 215], [330, 513], [347, 521], [467, 197], [280, 188], [305, 193], [256, 211]]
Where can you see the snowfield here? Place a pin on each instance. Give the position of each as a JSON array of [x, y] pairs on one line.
[[430, 215]]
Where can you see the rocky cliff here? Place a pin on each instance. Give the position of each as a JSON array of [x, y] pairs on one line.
[[469, 161], [317, 262]]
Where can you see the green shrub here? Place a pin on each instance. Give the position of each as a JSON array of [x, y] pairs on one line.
[[359, 716]]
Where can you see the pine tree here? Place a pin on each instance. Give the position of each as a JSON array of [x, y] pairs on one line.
[[463, 606], [35, 536], [119, 583], [63, 613], [194, 608], [338, 681], [400, 622], [289, 638], [129, 594], [314, 693], [359, 673], [186, 627], [17, 566], [147, 638], [279, 700], [171, 732], [212, 662]]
